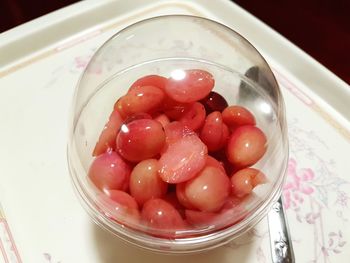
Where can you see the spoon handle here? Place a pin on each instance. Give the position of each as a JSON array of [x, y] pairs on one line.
[[281, 244]]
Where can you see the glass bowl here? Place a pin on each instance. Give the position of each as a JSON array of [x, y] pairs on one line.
[[164, 45]]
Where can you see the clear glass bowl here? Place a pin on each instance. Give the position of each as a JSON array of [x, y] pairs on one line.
[[161, 45]]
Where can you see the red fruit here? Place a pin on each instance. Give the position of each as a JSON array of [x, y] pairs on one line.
[[246, 146], [245, 180], [145, 99], [214, 102], [137, 116], [212, 133], [163, 119], [109, 171], [182, 160], [145, 183], [106, 141], [181, 196], [174, 109], [158, 214], [150, 80], [208, 190], [140, 140], [194, 116], [235, 116], [189, 85], [121, 207]]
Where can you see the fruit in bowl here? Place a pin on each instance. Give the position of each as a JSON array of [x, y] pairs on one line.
[[171, 139], [163, 138]]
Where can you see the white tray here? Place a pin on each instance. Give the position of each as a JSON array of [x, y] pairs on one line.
[[40, 63]]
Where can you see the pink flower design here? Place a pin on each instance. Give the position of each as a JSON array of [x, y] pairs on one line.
[[297, 185], [82, 61]]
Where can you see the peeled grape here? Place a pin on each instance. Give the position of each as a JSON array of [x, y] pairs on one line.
[[140, 99], [109, 133], [109, 171], [189, 85], [160, 215], [208, 191], [235, 116], [246, 145], [145, 182], [140, 140]]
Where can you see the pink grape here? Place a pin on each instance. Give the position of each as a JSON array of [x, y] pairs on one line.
[[109, 171], [145, 99], [145, 182], [235, 116], [189, 85], [212, 133], [158, 214], [246, 146], [106, 141], [194, 116], [150, 80], [140, 140], [208, 190]]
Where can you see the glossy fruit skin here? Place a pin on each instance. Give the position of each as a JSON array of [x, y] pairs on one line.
[[106, 141], [195, 85], [174, 109], [182, 160], [158, 214], [150, 80], [109, 171], [145, 182], [235, 116], [245, 180], [246, 145], [214, 102], [140, 139], [194, 116], [140, 99], [213, 133], [208, 190]]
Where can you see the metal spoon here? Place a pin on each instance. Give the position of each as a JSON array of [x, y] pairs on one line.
[[281, 244]]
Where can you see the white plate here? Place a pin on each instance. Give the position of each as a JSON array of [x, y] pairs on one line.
[[40, 64]]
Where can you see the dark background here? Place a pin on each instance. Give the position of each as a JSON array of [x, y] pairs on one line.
[[319, 27]]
